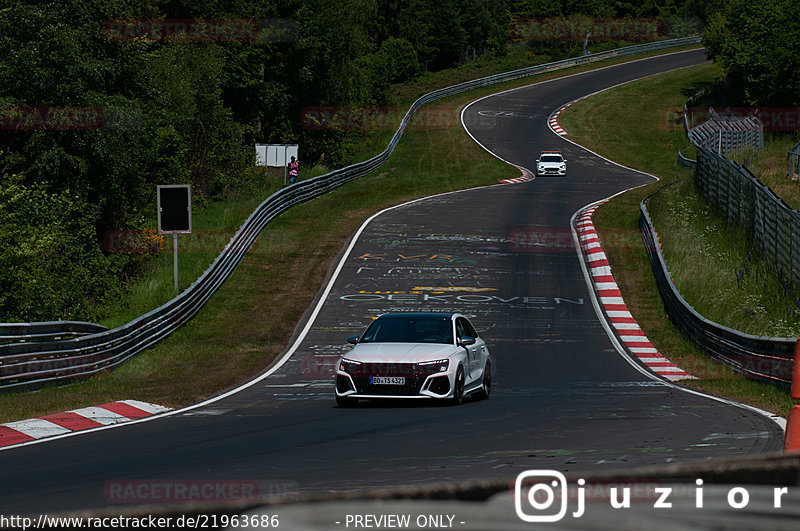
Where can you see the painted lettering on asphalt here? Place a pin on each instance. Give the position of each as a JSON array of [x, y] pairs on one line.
[[409, 296], [425, 257]]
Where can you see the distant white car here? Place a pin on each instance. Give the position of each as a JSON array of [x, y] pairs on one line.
[[551, 163], [415, 355]]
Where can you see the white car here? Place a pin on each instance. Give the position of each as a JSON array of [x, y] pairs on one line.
[[415, 355], [551, 163]]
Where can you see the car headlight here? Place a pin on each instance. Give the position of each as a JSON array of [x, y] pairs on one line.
[[439, 365], [349, 366]]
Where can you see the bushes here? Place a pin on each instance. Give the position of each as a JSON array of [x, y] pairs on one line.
[[756, 42], [184, 111], [51, 267]]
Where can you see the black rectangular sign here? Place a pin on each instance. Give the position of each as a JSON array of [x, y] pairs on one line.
[[174, 208]]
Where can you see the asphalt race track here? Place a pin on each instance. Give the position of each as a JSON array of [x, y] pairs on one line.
[[563, 398]]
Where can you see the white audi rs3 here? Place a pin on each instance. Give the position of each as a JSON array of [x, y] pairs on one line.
[[415, 355]]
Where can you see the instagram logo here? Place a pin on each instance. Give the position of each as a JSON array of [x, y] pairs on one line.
[[540, 496]]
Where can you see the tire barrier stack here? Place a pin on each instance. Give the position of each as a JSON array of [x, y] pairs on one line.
[[26, 365]]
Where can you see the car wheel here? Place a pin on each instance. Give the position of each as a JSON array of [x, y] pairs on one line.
[[458, 389], [343, 401], [486, 388]]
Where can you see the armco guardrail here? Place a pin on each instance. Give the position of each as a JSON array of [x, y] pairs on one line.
[[763, 358], [46, 331], [684, 161], [34, 364]]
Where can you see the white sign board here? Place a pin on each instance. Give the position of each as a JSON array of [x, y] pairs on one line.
[[280, 154], [261, 154]]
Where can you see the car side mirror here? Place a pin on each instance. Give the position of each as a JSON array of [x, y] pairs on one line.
[[353, 340], [467, 341]]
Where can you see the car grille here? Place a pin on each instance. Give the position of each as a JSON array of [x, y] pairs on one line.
[[414, 378], [411, 387]]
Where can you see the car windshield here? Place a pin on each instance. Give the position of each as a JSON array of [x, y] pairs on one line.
[[550, 158], [412, 329]]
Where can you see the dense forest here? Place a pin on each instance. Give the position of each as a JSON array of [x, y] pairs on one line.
[[758, 45], [101, 100]]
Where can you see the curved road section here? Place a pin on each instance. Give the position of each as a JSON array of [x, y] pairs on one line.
[[564, 399]]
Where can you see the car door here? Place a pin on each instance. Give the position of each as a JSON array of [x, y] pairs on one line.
[[465, 329]]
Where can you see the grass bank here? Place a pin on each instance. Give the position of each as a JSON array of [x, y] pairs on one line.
[[770, 165], [250, 320], [632, 125]]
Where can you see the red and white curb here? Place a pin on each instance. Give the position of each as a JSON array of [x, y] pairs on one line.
[[79, 419], [526, 176], [610, 298], [553, 120]]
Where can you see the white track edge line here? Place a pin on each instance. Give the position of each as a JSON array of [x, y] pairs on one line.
[[277, 364], [293, 348], [780, 421]]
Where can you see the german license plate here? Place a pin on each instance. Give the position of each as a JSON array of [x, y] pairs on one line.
[[387, 380]]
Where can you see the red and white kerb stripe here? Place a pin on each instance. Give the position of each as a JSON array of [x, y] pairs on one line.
[[553, 121], [76, 420], [524, 178], [610, 298], [557, 129]]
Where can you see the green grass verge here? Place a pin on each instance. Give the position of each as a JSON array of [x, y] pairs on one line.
[[713, 266], [213, 225], [250, 320], [631, 125]]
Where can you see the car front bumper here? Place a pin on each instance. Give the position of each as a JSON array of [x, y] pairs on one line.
[[551, 171], [438, 385]]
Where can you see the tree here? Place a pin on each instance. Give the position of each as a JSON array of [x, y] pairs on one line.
[[757, 42], [486, 24]]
